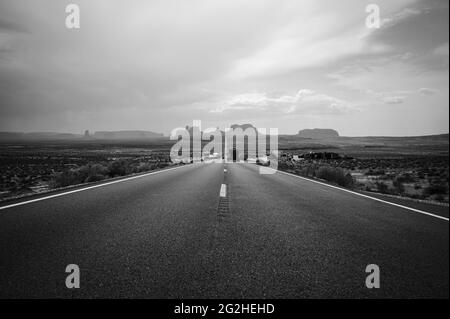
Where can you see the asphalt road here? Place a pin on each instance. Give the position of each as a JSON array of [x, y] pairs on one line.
[[170, 235]]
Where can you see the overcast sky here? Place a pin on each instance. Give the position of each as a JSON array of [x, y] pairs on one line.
[[157, 65]]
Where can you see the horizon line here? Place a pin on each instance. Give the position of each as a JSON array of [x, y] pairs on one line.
[[168, 135]]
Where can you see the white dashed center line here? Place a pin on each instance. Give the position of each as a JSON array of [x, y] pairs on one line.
[[223, 190]]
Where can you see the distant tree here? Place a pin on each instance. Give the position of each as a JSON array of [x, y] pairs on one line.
[[335, 175], [382, 187], [436, 189], [398, 184], [117, 168]]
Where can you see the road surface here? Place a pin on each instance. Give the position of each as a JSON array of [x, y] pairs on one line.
[[172, 235]]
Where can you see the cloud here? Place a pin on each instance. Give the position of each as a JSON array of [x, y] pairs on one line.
[[442, 50], [9, 26], [416, 28], [400, 16], [427, 91], [304, 101], [394, 99]]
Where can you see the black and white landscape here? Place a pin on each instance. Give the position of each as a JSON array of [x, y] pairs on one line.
[[344, 195]]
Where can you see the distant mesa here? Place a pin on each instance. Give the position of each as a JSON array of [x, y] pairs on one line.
[[243, 126], [37, 136], [318, 133], [101, 135], [125, 135]]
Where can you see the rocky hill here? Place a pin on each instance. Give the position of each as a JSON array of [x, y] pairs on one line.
[[318, 133], [125, 135]]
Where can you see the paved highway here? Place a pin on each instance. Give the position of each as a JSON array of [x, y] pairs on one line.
[[172, 235]]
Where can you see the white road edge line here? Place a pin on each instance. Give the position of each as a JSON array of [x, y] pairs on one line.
[[87, 188], [366, 196], [223, 190]]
